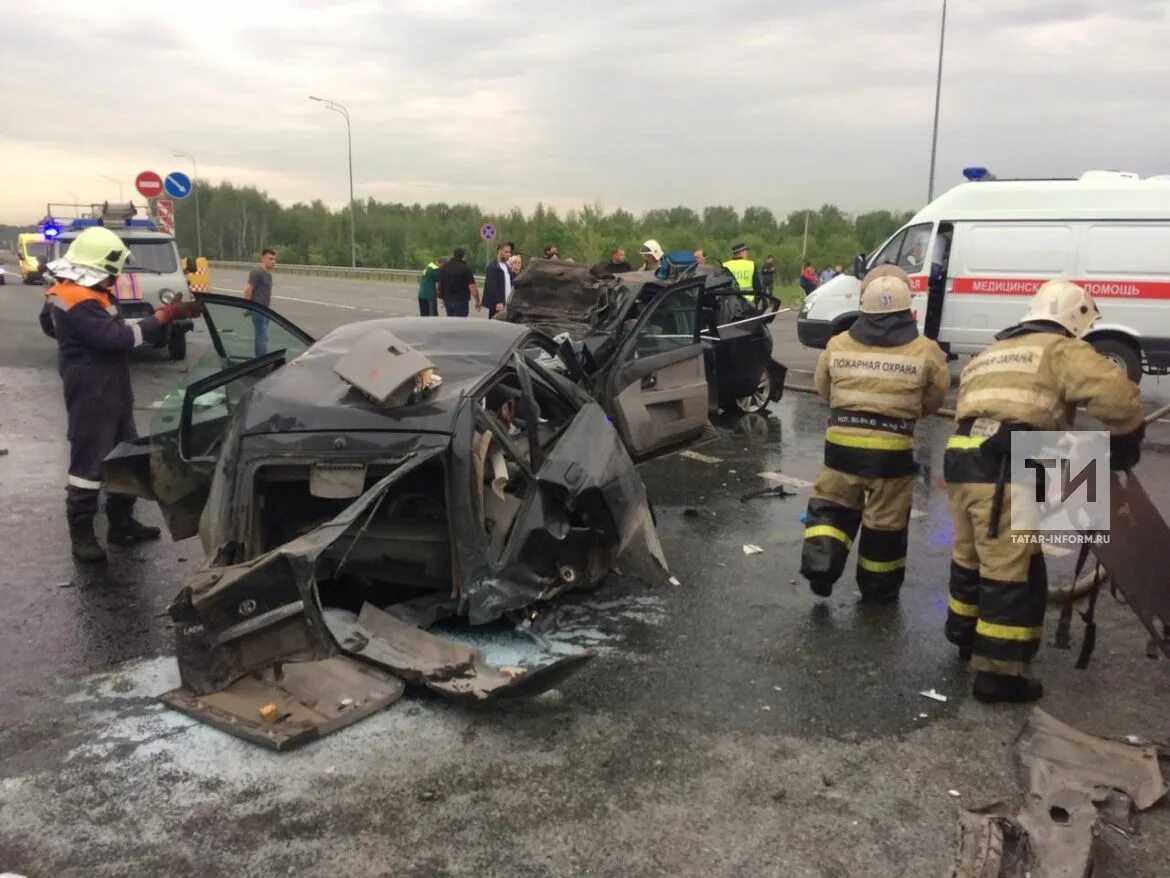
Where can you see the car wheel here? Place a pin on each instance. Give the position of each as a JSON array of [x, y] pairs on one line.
[[758, 401], [177, 345], [1121, 355]]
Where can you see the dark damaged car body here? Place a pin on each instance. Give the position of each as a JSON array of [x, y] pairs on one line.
[[345, 499], [702, 303]]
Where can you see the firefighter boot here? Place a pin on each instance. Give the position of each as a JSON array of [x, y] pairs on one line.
[[993, 688], [821, 586], [125, 531], [85, 544]]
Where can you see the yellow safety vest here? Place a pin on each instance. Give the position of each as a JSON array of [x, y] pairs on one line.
[[743, 270]]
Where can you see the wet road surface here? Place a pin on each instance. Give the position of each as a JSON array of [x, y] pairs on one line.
[[732, 725]]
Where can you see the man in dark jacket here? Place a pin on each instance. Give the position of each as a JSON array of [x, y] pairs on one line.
[[616, 264], [94, 346], [456, 284], [497, 282]]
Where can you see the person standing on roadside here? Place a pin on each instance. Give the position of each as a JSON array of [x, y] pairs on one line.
[[550, 252], [428, 294], [497, 282], [456, 285], [808, 278], [258, 289], [768, 276], [514, 266]]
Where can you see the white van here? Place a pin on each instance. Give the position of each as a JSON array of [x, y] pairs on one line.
[[977, 253]]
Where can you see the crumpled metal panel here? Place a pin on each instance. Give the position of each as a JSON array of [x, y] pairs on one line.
[[588, 473], [1138, 530], [260, 593], [1075, 783]]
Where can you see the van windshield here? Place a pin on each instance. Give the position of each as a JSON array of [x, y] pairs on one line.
[[154, 257], [37, 248]]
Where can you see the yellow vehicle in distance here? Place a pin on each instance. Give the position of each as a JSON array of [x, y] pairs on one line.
[[32, 253]]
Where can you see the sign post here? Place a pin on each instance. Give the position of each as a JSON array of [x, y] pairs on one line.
[[166, 215]]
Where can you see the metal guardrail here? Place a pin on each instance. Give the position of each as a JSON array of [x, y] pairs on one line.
[[385, 275]]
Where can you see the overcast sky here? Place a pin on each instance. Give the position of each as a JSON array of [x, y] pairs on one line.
[[635, 105]]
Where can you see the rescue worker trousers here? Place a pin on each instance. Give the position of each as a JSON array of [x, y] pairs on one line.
[[998, 587], [100, 415], [839, 504]]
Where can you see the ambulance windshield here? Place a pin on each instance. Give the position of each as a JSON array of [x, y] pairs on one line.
[[907, 249]]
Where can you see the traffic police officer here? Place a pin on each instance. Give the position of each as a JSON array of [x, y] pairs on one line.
[[94, 344], [1031, 378], [878, 378], [745, 272]]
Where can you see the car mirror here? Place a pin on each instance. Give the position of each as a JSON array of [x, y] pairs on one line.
[[859, 265]]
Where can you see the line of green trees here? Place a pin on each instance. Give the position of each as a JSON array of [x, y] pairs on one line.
[[238, 221]]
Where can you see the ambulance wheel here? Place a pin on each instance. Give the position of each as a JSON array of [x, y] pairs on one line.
[[177, 345], [1121, 355]]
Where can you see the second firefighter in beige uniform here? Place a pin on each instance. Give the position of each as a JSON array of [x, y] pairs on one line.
[[1032, 378], [878, 378]]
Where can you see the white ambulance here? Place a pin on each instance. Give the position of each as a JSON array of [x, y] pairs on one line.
[[977, 253]]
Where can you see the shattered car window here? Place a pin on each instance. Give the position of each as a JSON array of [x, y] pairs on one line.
[[238, 329], [671, 325]]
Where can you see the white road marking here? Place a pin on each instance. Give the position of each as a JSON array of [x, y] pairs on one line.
[[295, 299], [786, 480], [704, 458], [918, 513], [1055, 551], [315, 302]]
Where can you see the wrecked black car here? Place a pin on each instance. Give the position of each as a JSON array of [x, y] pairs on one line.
[[350, 491], [703, 305]]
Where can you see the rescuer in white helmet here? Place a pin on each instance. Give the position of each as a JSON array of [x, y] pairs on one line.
[[1032, 378], [879, 377], [651, 255]]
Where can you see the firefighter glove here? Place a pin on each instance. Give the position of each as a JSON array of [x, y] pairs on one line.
[[1126, 450], [178, 311]]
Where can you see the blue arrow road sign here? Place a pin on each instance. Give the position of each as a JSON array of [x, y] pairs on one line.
[[177, 184], [487, 231]]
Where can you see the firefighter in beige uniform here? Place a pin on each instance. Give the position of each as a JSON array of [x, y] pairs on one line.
[[1031, 378], [879, 378]]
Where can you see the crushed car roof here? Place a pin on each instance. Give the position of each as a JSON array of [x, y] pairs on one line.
[[306, 395]]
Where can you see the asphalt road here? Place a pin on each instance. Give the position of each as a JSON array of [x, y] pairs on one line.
[[732, 725]]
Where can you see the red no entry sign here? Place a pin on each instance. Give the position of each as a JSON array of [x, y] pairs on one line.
[[149, 184]]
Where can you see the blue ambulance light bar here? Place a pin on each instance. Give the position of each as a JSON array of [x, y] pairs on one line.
[[976, 174], [90, 222]]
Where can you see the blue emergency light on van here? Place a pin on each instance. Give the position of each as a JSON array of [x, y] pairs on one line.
[[975, 174]]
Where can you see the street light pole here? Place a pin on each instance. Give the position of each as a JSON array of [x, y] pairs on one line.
[[178, 153], [114, 180], [942, 33], [338, 108]]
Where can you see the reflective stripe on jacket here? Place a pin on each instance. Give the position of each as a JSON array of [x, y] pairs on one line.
[[900, 383]]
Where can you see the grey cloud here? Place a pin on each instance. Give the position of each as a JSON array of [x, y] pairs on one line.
[[654, 103]]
